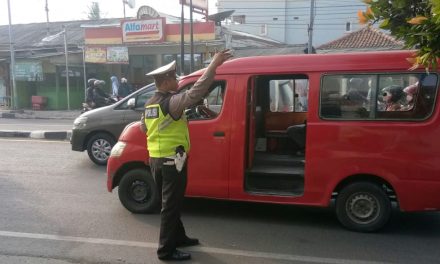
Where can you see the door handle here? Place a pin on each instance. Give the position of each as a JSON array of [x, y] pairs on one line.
[[219, 134]]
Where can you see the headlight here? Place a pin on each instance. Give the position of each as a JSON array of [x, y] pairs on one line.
[[80, 122], [117, 149]]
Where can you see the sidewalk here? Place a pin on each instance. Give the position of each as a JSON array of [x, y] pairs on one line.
[[30, 114]]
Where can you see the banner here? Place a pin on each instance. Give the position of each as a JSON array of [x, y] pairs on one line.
[[96, 55], [29, 71], [117, 55], [202, 4]]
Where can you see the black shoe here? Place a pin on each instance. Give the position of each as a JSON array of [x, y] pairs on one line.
[[176, 255], [187, 242]]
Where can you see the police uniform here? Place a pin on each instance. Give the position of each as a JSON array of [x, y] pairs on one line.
[[167, 134]]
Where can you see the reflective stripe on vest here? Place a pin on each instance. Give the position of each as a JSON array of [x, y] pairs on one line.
[[164, 133]]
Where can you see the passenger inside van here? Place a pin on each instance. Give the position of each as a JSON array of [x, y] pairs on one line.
[[411, 93], [392, 96]]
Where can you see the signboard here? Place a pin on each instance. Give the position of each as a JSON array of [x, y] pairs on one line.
[[202, 4], [96, 54], [149, 30], [146, 12], [29, 71], [117, 55]]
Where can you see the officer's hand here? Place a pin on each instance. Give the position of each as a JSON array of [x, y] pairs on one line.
[[221, 57]]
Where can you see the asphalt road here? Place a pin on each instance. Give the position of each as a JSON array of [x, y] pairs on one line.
[[55, 209], [36, 124]]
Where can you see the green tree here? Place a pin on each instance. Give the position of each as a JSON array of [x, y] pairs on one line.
[[416, 22], [94, 13]]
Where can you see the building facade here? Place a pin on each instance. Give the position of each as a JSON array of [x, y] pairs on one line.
[[288, 21], [95, 49]]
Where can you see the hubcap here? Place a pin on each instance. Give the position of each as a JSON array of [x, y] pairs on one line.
[[139, 191], [363, 208], [101, 149]]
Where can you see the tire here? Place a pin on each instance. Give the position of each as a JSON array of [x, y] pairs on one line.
[[363, 207], [138, 192], [99, 147]]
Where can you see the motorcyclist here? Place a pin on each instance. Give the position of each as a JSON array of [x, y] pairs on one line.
[[89, 93], [100, 98]]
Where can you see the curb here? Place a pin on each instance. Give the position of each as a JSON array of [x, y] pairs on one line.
[[51, 135], [39, 115]]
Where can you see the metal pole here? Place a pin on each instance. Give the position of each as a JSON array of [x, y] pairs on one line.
[[191, 66], [47, 19], [312, 18], [123, 3], [84, 68], [182, 42], [12, 64], [67, 68]]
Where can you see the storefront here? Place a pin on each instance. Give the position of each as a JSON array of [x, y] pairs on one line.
[[96, 49], [137, 46]]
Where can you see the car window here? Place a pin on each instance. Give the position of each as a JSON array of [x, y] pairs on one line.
[[141, 98], [288, 95], [399, 96]]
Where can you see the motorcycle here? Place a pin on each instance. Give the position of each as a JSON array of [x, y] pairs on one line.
[[87, 107]]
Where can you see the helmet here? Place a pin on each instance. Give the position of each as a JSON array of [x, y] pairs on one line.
[[91, 81], [99, 83]]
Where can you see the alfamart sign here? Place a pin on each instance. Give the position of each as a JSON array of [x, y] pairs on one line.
[[147, 30]]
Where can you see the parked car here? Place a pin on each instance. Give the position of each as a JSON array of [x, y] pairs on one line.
[[98, 130]]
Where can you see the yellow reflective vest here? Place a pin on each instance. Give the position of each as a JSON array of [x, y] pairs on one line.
[[164, 134]]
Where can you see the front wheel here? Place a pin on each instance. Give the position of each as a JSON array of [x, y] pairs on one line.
[[99, 147], [138, 192], [363, 207]]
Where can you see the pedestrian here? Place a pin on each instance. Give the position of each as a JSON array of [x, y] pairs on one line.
[[166, 129], [125, 88], [115, 87]]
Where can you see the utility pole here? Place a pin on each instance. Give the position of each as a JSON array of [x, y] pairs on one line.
[[123, 4], [312, 19], [47, 18], [67, 67], [12, 64], [182, 42], [191, 66]]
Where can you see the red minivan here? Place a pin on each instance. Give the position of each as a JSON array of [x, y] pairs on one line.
[[359, 129]]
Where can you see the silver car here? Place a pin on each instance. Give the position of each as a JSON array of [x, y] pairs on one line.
[[98, 130]]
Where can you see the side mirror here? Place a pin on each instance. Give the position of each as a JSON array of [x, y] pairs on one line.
[[131, 103]]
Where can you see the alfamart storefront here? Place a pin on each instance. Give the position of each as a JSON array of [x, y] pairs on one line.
[[126, 48], [137, 46]]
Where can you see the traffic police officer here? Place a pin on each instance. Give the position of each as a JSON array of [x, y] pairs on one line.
[[168, 145]]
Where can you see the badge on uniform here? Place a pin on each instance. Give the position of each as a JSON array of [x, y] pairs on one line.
[[180, 158], [152, 112]]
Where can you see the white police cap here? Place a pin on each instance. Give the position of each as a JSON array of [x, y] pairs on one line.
[[164, 70]]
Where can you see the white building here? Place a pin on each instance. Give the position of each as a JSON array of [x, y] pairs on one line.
[[288, 21]]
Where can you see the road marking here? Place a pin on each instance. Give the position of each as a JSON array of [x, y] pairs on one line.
[[223, 251]]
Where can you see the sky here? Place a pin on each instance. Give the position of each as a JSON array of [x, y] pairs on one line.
[[33, 11]]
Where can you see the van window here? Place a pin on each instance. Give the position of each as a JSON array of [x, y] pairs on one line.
[[210, 106], [378, 96], [288, 95]]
